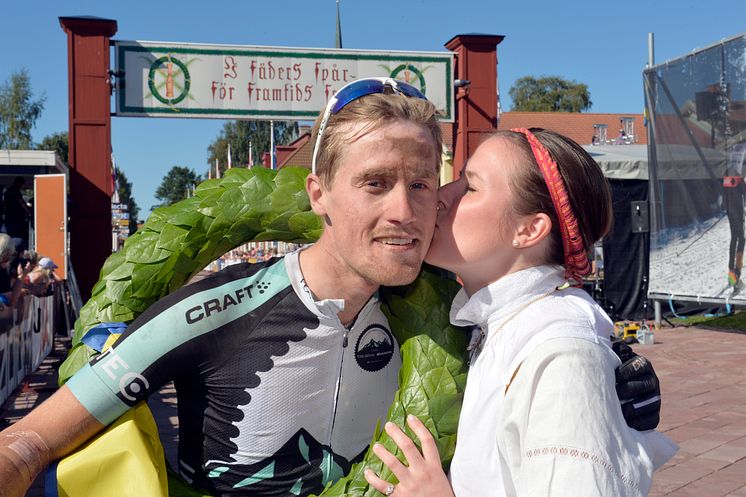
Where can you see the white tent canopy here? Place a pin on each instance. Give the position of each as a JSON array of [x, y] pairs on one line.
[[675, 162], [621, 161]]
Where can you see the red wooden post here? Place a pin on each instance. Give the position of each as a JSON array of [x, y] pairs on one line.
[[476, 103], [89, 95]]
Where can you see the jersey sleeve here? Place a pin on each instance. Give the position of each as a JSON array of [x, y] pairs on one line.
[[170, 338], [565, 433], [142, 360]]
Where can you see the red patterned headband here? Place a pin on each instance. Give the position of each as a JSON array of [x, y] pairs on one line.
[[576, 257]]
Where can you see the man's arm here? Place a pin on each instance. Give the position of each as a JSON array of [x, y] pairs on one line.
[[52, 430]]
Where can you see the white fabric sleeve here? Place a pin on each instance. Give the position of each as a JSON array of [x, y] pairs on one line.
[[563, 430]]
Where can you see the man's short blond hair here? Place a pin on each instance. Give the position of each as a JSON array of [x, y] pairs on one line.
[[373, 111]]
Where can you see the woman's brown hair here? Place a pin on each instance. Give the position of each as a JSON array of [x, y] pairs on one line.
[[587, 188]]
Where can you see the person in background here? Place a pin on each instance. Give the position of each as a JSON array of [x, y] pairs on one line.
[[7, 252], [734, 198], [38, 282], [29, 258], [16, 211], [22, 262], [2, 206]]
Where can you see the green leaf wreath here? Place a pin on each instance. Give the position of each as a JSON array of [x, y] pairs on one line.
[[258, 204]]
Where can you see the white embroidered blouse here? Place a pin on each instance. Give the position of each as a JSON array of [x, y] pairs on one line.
[[541, 415]]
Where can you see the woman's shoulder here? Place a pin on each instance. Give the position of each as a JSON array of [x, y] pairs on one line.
[[574, 351], [565, 314]]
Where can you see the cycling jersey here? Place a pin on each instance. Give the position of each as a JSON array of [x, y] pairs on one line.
[[275, 396]]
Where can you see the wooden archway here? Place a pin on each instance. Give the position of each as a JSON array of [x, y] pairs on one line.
[[89, 80]]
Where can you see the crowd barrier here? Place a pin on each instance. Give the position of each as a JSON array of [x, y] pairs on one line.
[[26, 338]]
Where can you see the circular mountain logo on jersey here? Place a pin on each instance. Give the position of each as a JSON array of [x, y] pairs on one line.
[[374, 348]]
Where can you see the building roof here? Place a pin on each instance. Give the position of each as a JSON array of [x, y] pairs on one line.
[[299, 152], [447, 130], [28, 163], [576, 126]]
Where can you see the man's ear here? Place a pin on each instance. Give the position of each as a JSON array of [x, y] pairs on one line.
[[532, 229], [315, 191]]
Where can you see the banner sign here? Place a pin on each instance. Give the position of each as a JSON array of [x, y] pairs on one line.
[[218, 81]]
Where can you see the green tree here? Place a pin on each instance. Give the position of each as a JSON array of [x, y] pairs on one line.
[[57, 142], [125, 197], [176, 185], [549, 94], [240, 133], [18, 111]]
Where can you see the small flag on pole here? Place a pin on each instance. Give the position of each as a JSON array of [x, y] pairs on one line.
[[114, 181], [272, 156]]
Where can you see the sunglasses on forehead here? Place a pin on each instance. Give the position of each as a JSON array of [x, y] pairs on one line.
[[357, 89]]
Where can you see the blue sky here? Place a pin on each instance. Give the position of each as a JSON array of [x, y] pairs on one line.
[[602, 44]]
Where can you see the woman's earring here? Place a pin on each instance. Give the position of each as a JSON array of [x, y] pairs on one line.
[[440, 206], [516, 243]]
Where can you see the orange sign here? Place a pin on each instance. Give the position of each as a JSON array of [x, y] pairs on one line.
[[50, 219]]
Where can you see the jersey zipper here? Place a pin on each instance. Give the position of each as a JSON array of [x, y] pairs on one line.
[[338, 384]]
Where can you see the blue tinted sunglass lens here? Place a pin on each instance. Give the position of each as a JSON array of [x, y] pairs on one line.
[[409, 90], [365, 87], [356, 90]]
